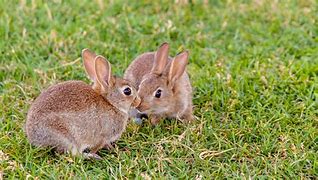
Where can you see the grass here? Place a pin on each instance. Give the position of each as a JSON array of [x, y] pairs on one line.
[[253, 65]]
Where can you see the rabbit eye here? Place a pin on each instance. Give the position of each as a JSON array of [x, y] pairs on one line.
[[158, 93], [127, 91]]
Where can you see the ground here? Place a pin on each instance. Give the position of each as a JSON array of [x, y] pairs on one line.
[[253, 66]]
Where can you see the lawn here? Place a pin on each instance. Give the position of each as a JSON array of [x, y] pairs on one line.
[[253, 66]]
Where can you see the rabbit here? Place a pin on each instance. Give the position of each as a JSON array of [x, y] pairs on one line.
[[74, 117], [163, 85]]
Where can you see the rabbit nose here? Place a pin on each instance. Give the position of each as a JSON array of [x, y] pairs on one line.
[[143, 106], [136, 102]]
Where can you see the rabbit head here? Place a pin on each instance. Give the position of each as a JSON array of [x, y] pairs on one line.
[[119, 92], [161, 88]]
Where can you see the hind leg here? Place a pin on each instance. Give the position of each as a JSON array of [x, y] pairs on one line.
[[187, 118], [61, 143], [50, 132]]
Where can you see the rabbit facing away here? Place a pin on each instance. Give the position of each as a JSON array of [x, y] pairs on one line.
[[163, 85], [75, 117]]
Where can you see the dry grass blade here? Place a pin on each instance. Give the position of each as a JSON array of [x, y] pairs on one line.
[[208, 154]]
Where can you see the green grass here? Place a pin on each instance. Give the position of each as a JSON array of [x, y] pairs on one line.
[[253, 66]]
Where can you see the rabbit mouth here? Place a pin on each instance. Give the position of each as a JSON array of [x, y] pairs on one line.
[[143, 111], [157, 111]]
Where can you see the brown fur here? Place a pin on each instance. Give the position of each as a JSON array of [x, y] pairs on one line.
[[176, 99], [72, 116]]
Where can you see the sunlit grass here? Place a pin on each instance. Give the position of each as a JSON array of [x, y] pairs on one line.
[[253, 66]]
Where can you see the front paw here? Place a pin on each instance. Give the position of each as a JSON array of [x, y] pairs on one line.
[[154, 121]]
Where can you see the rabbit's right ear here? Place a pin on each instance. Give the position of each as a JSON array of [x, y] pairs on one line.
[[89, 63], [178, 66], [161, 58], [103, 72]]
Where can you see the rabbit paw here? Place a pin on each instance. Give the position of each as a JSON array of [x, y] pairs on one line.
[[92, 156], [155, 120]]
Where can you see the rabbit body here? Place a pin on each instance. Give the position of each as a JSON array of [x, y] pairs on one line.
[[75, 117], [72, 116]]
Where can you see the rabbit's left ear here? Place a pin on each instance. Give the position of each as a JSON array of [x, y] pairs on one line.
[[177, 68], [89, 63]]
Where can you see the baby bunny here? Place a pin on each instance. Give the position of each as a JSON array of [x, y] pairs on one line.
[[163, 85], [78, 118]]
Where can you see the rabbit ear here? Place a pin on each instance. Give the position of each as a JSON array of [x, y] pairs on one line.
[[161, 58], [103, 72], [178, 66], [89, 63]]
